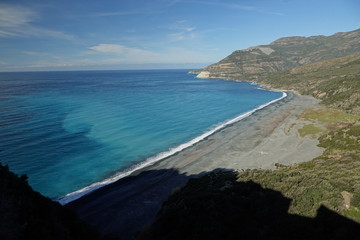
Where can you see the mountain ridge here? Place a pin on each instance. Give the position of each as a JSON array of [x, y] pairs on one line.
[[282, 54]]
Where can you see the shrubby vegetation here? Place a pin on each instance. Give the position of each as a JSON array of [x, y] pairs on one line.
[[233, 205], [336, 82], [323, 180], [227, 205]]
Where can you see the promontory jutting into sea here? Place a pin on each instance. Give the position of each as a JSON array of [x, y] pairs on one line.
[[68, 130]]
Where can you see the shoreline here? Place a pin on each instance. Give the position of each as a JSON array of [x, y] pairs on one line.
[[137, 168], [266, 137], [261, 140]]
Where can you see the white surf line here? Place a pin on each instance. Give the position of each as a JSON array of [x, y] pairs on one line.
[[86, 190]]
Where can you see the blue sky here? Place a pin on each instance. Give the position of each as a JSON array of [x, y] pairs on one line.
[[140, 34]]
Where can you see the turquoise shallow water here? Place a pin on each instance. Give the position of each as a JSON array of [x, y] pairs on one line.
[[67, 130]]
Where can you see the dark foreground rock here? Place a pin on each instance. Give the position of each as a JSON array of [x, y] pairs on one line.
[[217, 206], [26, 214]]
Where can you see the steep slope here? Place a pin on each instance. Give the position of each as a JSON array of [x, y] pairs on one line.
[[336, 82], [26, 214], [283, 54]]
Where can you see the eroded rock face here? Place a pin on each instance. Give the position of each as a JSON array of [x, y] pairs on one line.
[[203, 74], [282, 54], [347, 199]]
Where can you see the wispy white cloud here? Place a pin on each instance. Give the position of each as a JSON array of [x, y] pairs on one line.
[[181, 30], [181, 36], [126, 53], [180, 25], [41, 54], [119, 13], [114, 56], [39, 66], [154, 7], [238, 7], [115, 53], [272, 13], [170, 2], [227, 5], [18, 21]]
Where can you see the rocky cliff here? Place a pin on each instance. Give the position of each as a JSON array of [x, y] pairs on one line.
[[282, 54]]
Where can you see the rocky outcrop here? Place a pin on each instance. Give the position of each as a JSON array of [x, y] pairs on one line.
[[283, 54], [203, 74]]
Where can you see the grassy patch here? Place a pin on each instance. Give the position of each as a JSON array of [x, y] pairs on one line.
[[326, 119], [328, 115], [352, 212], [309, 129]]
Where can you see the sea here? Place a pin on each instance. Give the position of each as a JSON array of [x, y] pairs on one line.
[[71, 132]]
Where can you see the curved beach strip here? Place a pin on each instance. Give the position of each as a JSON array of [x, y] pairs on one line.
[[260, 140], [161, 156]]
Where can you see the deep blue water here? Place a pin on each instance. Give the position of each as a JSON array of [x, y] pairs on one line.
[[67, 130]]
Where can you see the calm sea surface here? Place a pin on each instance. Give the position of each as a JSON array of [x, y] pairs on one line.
[[67, 130]]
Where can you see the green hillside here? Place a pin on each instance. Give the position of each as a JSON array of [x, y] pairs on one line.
[[323, 193], [336, 82]]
